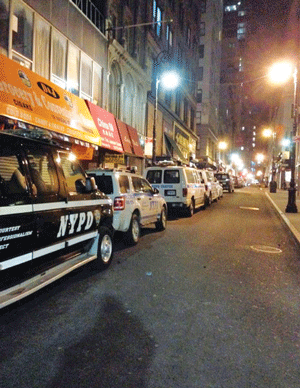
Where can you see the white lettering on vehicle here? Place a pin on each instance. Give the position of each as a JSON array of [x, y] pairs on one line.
[[85, 221], [10, 229], [3, 246], [18, 235]]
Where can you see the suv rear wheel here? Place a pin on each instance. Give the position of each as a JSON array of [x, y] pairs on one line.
[[191, 209], [134, 231], [105, 247]]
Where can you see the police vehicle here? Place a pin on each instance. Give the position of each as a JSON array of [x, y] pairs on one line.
[[53, 219], [136, 203], [181, 186]]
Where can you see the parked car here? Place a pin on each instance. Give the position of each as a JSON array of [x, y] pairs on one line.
[[211, 190], [136, 203], [226, 181], [181, 187], [53, 219], [219, 188]]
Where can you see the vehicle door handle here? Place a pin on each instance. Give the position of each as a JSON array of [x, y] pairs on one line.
[[139, 198]]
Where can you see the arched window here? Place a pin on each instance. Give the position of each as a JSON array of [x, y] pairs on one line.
[[128, 100], [140, 110], [115, 81]]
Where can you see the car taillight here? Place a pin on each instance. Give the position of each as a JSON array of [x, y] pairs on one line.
[[119, 203], [184, 192]]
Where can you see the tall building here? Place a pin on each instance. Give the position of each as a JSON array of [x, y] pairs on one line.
[[208, 82]]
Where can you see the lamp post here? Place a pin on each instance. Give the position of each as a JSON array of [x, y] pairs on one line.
[[291, 205], [169, 80]]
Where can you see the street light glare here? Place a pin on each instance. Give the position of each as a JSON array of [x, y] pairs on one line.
[[280, 72], [170, 80]]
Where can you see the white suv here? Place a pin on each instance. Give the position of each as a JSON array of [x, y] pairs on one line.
[[136, 203], [211, 186]]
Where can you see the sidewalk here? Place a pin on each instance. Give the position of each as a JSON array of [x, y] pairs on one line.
[[279, 201]]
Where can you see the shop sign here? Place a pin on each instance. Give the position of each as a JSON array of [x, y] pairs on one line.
[[28, 97], [83, 153], [107, 127], [114, 158]]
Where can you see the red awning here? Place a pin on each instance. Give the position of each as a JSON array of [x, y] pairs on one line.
[[137, 149], [106, 125], [125, 138]]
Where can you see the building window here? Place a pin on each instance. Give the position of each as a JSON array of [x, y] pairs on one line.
[[241, 31], [59, 56], [115, 90], [169, 36], [97, 84], [201, 51], [4, 25], [73, 76], [202, 6], [192, 119], [189, 37], [185, 111], [22, 35], [178, 103], [129, 98], [200, 78], [199, 96], [202, 29], [157, 18], [42, 48], [86, 77]]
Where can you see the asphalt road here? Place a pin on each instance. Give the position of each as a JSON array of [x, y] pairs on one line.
[[213, 301]]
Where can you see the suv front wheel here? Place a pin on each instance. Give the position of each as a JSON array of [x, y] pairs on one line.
[[134, 231], [162, 222], [105, 248]]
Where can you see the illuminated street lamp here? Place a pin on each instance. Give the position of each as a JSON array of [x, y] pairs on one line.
[[169, 80]]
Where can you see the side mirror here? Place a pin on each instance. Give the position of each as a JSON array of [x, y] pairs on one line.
[[90, 184], [155, 190]]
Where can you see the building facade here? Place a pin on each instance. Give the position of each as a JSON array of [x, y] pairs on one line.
[[208, 84]]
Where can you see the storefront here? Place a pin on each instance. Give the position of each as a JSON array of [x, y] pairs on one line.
[[133, 152], [33, 100]]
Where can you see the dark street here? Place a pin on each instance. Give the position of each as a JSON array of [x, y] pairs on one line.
[[213, 301]]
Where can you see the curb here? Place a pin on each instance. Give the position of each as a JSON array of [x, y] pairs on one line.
[[295, 232]]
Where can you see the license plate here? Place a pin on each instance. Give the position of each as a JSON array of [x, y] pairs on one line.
[[170, 192]]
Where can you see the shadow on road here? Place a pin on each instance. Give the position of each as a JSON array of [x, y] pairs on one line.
[[117, 352]]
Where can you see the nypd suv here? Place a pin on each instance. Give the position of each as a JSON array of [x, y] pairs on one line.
[[53, 218]]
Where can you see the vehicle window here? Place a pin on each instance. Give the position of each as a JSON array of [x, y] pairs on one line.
[[221, 176], [146, 187], [13, 184], [196, 176], [171, 176], [42, 171], [137, 184], [154, 176], [72, 170], [104, 183], [189, 176], [124, 184]]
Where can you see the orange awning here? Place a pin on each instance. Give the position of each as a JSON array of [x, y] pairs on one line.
[[26, 96]]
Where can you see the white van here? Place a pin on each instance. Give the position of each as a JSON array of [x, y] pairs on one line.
[[181, 186]]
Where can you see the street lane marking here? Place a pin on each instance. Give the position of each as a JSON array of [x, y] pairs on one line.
[[249, 208], [265, 248]]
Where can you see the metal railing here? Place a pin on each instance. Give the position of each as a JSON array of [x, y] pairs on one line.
[[91, 12]]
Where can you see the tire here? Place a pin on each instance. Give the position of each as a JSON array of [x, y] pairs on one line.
[[105, 248], [208, 200], [134, 231], [191, 209], [162, 222]]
